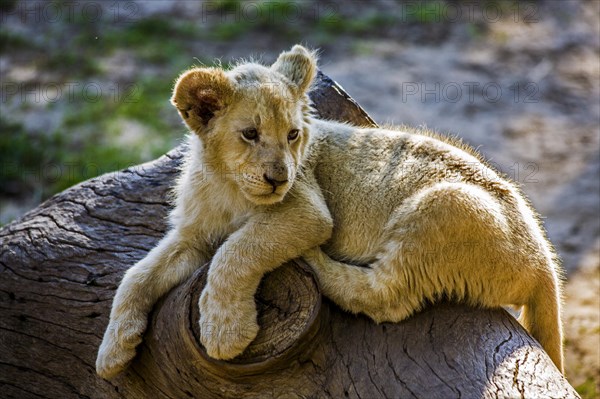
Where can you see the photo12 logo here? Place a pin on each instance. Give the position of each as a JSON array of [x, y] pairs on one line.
[[50, 12], [471, 92], [51, 92], [470, 11]]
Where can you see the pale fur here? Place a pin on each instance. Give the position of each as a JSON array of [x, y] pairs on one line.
[[390, 219]]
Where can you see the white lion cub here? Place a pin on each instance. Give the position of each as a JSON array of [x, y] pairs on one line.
[[265, 182]]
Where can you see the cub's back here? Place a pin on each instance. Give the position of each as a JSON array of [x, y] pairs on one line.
[[365, 174]]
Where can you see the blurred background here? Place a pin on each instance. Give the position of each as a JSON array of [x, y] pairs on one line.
[[85, 89]]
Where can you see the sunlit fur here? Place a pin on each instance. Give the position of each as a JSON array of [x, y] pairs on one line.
[[423, 216]]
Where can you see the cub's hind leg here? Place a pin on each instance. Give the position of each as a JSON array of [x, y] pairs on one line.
[[372, 290], [454, 240], [486, 251], [438, 242]]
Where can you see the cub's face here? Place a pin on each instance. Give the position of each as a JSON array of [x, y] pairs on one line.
[[261, 141], [253, 121]]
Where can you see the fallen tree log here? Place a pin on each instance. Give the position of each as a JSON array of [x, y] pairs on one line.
[[61, 263]]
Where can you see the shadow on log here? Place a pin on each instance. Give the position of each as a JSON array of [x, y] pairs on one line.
[[61, 263]]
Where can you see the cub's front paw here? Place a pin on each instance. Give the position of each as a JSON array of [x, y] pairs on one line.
[[118, 346], [226, 327]]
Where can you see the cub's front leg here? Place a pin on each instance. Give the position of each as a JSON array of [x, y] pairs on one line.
[[227, 309], [165, 266]]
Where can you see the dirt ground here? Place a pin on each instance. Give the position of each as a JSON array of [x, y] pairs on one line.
[[519, 83]]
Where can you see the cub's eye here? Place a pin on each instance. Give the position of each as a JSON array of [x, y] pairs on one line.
[[293, 134], [250, 134]]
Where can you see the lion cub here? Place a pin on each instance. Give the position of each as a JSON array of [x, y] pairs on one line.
[[265, 182]]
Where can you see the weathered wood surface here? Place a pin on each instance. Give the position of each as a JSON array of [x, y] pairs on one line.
[[61, 263]]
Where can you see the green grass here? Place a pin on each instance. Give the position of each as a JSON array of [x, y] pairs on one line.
[[588, 390], [149, 31], [7, 5], [10, 41], [75, 63], [50, 163], [425, 12], [145, 106], [225, 5], [372, 22], [229, 30], [93, 137], [91, 141], [152, 40], [281, 17], [30, 162], [286, 19], [145, 101]]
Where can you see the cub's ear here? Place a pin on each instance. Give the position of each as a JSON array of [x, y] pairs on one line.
[[299, 65], [199, 94]]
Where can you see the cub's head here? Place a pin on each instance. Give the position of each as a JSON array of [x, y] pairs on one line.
[[253, 121]]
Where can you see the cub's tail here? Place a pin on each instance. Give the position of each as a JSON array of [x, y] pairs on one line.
[[541, 316]]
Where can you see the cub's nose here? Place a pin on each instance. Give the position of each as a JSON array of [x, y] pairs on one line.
[[273, 181]]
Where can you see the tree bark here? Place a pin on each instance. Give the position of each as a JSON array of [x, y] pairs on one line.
[[61, 263]]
